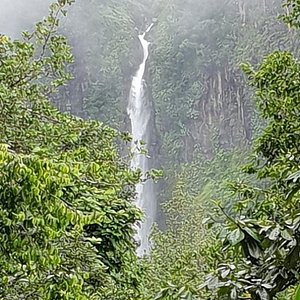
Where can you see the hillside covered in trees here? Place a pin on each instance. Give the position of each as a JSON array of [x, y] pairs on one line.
[[219, 82]]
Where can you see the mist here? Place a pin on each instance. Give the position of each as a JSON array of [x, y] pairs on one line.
[[19, 15], [173, 147]]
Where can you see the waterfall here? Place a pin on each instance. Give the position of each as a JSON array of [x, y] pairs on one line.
[[139, 111]]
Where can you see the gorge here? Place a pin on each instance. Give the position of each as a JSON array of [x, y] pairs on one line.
[[92, 107]]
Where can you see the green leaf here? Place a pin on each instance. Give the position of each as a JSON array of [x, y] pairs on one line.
[[297, 297], [233, 294], [263, 294], [274, 234], [236, 236], [252, 233]]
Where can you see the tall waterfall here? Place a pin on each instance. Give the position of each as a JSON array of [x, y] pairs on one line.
[[139, 111]]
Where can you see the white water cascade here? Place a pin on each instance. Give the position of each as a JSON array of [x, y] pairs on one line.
[[139, 111]]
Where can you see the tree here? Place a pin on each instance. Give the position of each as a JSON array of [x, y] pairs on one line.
[[261, 232], [66, 225]]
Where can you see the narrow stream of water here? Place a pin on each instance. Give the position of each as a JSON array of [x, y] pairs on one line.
[[139, 111]]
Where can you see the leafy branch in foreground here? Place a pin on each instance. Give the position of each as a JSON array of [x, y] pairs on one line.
[[263, 230], [65, 194]]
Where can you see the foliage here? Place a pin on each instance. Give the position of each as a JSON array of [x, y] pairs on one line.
[[185, 250], [193, 71], [177, 261], [263, 231], [291, 18], [297, 294], [104, 38], [65, 193], [195, 77]]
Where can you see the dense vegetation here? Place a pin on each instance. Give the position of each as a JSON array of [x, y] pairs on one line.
[[65, 193], [66, 189]]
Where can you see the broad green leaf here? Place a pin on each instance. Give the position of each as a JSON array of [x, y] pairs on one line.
[[236, 236]]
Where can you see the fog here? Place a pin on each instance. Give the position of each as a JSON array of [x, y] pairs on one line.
[[19, 15]]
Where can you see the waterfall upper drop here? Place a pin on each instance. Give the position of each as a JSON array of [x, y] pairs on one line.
[[139, 111]]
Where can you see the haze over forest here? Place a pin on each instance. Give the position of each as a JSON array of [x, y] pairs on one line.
[[149, 150]]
